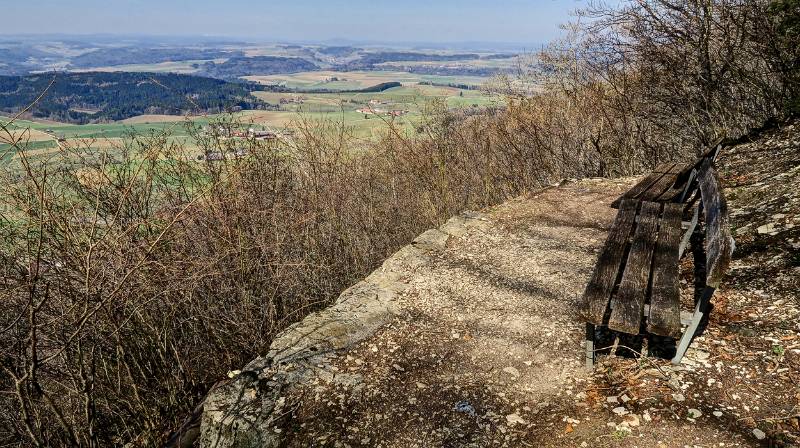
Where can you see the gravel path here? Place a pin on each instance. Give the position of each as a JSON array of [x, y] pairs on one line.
[[486, 347]]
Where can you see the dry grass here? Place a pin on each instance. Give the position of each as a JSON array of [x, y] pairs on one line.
[[360, 79]]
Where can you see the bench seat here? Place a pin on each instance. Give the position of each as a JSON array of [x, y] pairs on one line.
[[670, 182], [645, 253]]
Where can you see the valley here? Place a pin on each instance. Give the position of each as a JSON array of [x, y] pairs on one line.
[[103, 90], [366, 115]]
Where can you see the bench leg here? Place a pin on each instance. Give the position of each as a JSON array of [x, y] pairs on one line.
[[697, 317], [689, 231], [589, 346], [687, 189]]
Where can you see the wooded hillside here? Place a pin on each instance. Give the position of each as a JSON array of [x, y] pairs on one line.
[[87, 97]]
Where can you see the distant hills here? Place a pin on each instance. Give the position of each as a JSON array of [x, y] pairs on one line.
[[133, 55], [96, 97], [229, 59], [368, 61], [107, 78]]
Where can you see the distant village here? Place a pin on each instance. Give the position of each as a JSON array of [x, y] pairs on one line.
[[292, 100], [375, 109], [225, 132], [229, 132]]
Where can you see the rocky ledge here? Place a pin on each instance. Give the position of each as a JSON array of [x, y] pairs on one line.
[[249, 410]]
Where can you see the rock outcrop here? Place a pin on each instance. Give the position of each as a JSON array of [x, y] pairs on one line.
[[247, 411]]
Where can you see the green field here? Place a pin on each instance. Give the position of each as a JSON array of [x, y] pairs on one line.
[[331, 80], [410, 98], [407, 96], [343, 107], [104, 130], [107, 135]]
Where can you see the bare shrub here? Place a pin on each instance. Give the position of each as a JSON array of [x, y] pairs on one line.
[[680, 74], [135, 278], [642, 82]]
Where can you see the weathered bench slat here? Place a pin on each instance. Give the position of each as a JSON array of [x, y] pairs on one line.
[[719, 243], [628, 304], [601, 284], [663, 185], [665, 316], [678, 168], [682, 177], [660, 171]]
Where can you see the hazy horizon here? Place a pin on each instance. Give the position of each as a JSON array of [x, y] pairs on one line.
[[359, 21]]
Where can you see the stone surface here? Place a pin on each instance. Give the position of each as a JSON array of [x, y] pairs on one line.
[[245, 411]]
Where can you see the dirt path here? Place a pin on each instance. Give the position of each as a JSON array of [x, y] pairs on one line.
[[486, 348]]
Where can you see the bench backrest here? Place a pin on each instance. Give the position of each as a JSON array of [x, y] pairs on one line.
[[687, 177], [719, 243]]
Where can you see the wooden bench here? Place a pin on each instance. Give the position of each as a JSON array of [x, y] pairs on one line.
[[634, 288]]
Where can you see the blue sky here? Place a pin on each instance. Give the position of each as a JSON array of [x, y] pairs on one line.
[[523, 21]]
